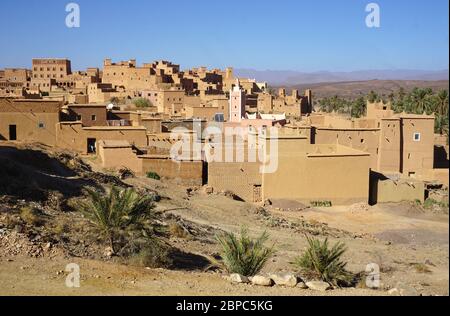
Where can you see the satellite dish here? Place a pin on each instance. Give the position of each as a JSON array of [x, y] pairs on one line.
[[110, 106]]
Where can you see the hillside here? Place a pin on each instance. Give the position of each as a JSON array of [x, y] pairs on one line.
[[41, 231], [354, 89]]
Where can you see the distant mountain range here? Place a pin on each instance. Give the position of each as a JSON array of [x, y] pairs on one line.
[[290, 78]]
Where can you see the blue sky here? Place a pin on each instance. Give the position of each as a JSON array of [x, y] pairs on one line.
[[298, 35]]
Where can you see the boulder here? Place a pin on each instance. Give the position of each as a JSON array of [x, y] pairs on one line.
[[302, 285], [406, 290], [108, 252], [208, 190], [394, 292], [318, 286], [237, 278], [287, 279], [262, 280]]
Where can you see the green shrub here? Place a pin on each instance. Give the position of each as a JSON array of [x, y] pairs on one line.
[[176, 230], [11, 221], [153, 175], [320, 262], [141, 103], [60, 229], [242, 254], [429, 203], [118, 213], [321, 204], [153, 255], [31, 216], [421, 268]]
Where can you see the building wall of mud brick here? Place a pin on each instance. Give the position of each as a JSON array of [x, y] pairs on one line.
[[341, 179], [378, 110], [300, 130], [78, 99], [119, 157], [389, 157], [391, 191], [434, 175], [191, 171], [188, 124], [51, 68], [216, 100], [241, 178], [163, 99], [366, 140], [16, 75], [440, 140], [89, 115], [366, 123], [74, 137], [152, 125], [418, 155], [35, 121], [205, 113], [265, 102]]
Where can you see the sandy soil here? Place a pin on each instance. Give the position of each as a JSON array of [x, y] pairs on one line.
[[26, 276]]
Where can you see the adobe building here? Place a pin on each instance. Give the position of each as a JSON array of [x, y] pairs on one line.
[[128, 75], [16, 75], [398, 143], [29, 120], [122, 154], [88, 114], [293, 105], [51, 68], [168, 101], [14, 82], [305, 172], [103, 93]]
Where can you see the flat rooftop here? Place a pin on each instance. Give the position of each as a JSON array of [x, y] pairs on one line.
[[115, 144]]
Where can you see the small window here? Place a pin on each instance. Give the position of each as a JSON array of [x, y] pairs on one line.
[[93, 118], [41, 125], [417, 137]]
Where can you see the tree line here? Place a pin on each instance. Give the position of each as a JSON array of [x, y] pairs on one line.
[[417, 101]]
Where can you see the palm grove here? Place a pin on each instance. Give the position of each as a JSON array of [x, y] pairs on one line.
[[417, 101]]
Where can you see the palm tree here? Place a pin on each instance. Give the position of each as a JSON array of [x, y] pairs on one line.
[[373, 96], [420, 99], [242, 254], [441, 110], [358, 107], [114, 213], [324, 263], [442, 97]]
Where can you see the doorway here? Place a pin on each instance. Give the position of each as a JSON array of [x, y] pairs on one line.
[[257, 193], [91, 145], [12, 132]]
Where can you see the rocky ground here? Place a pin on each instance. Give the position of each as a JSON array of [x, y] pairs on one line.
[[408, 242]]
